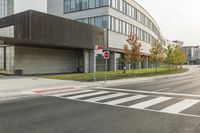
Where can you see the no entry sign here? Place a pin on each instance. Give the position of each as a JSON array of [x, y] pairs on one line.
[[106, 55]]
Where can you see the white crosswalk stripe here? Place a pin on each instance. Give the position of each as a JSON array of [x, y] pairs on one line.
[[149, 103], [73, 93], [124, 100], [95, 99], [105, 97], [87, 95], [180, 106]]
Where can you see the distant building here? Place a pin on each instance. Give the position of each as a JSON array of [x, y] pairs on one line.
[[177, 42], [6, 7], [192, 54]]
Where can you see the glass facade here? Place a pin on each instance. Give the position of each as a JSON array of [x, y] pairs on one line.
[[120, 5], [127, 9], [99, 21], [79, 5], [6, 7], [119, 26]]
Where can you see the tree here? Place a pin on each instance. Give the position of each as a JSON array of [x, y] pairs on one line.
[[156, 53], [179, 56], [132, 51], [169, 55], [127, 56]]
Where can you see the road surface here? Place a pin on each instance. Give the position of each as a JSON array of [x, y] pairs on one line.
[[162, 105]]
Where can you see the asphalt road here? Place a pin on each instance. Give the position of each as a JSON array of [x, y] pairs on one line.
[[167, 105]]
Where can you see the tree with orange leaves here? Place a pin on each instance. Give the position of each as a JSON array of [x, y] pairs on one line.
[[132, 51]]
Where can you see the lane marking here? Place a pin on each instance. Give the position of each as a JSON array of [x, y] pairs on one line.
[[149, 92], [149, 103], [73, 92], [180, 106], [163, 89], [124, 100], [95, 99], [87, 95]]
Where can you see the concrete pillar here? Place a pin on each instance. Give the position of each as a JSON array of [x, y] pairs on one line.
[[113, 61], [92, 62], [86, 60]]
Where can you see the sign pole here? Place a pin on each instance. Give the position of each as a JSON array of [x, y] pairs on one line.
[[106, 56], [94, 74], [106, 69]]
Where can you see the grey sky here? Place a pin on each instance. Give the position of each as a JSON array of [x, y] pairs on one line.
[[178, 19], [22, 5]]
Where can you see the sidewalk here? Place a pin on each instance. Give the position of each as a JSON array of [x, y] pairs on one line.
[[26, 85]]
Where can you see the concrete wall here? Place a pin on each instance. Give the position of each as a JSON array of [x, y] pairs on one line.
[[42, 60]]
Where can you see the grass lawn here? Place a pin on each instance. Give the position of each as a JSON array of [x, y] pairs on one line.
[[116, 74]]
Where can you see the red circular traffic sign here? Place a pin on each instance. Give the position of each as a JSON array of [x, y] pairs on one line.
[[106, 54]]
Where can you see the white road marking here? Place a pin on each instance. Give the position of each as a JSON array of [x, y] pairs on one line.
[[95, 99], [151, 110], [149, 103], [149, 92], [124, 100], [176, 108], [87, 95], [180, 106], [163, 89], [73, 92]]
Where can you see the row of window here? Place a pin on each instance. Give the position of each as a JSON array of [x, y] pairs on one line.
[[99, 21], [128, 9], [78, 5], [120, 5], [117, 25], [123, 27]]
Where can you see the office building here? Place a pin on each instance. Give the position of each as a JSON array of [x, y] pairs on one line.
[[63, 40], [119, 17], [6, 7]]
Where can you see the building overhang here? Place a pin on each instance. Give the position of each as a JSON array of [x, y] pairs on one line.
[[36, 29]]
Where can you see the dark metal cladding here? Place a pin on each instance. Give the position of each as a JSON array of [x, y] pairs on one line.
[[36, 29]]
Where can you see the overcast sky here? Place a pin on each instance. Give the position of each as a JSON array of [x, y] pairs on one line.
[[178, 19]]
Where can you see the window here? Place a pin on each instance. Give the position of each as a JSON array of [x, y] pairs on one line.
[[133, 12], [77, 5], [85, 20], [124, 27], [97, 3], [110, 22], [113, 4], [105, 2], [98, 21], [127, 29], [91, 21], [117, 25], [67, 6], [73, 5], [132, 29], [113, 24], [84, 4], [91, 3], [120, 26], [105, 22], [121, 5]]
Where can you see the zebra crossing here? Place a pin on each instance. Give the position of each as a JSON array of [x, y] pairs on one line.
[[132, 101]]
